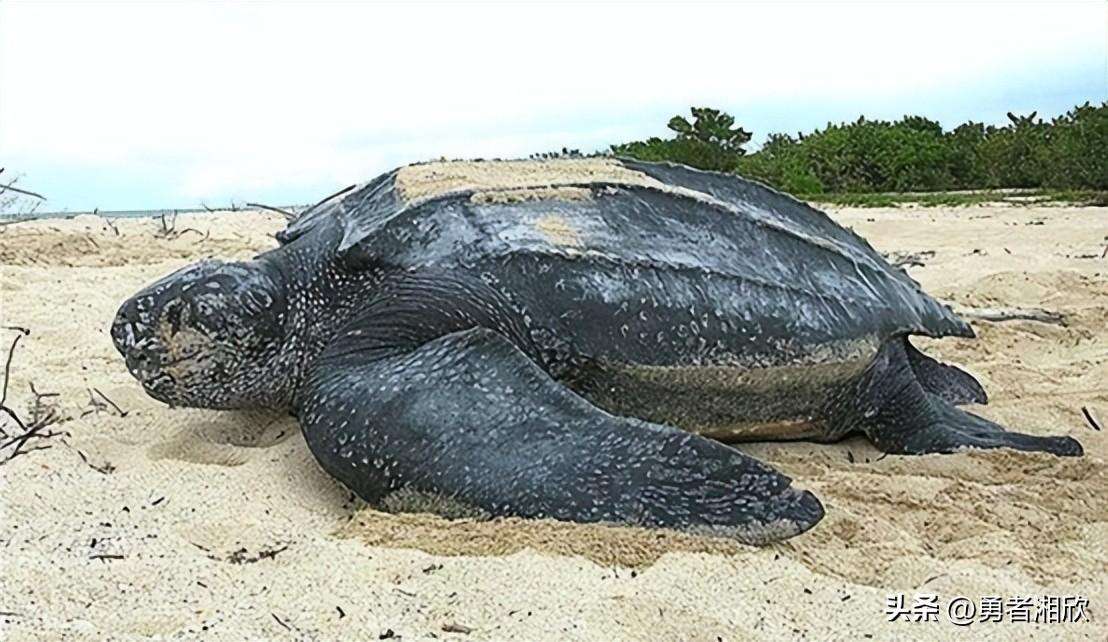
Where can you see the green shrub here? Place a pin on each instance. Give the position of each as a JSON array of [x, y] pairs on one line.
[[709, 142], [912, 154]]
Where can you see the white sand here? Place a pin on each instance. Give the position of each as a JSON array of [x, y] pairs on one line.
[[189, 499], [513, 180]]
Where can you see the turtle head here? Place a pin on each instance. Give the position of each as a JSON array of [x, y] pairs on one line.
[[211, 335]]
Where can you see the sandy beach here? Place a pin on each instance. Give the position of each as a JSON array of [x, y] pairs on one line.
[[136, 521]]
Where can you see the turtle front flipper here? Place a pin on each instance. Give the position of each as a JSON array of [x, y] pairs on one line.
[[891, 405], [470, 418]]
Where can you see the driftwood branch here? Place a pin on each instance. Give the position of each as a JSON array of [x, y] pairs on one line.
[[327, 198], [11, 188], [1012, 314], [287, 214]]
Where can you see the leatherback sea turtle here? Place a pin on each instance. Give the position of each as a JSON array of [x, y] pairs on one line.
[[570, 339]]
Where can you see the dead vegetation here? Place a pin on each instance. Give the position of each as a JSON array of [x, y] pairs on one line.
[[910, 259], [289, 216], [169, 230], [98, 401], [997, 315], [17, 202], [32, 433]]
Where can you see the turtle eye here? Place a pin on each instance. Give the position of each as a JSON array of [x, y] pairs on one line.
[[203, 308]]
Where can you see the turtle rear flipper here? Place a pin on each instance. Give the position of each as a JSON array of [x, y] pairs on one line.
[[950, 383], [467, 416], [890, 404], [949, 429]]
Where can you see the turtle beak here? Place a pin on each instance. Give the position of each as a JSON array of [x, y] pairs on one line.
[[128, 327], [143, 353], [133, 329], [132, 336]]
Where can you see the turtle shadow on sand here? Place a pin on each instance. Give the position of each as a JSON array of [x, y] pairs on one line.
[[227, 439]]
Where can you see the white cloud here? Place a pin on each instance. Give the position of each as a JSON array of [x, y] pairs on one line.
[[249, 96]]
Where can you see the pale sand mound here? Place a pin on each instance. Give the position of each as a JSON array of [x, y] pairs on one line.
[[220, 525], [508, 181]]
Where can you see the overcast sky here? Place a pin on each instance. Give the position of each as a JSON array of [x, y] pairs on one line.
[[128, 106]]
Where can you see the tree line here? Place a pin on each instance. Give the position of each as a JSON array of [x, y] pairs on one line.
[[912, 154]]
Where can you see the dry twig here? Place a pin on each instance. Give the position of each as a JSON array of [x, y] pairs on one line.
[[169, 228], [454, 627], [122, 413], [1090, 416], [1012, 314], [105, 469], [327, 198], [289, 216], [43, 415], [7, 373], [11, 188], [909, 259]]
